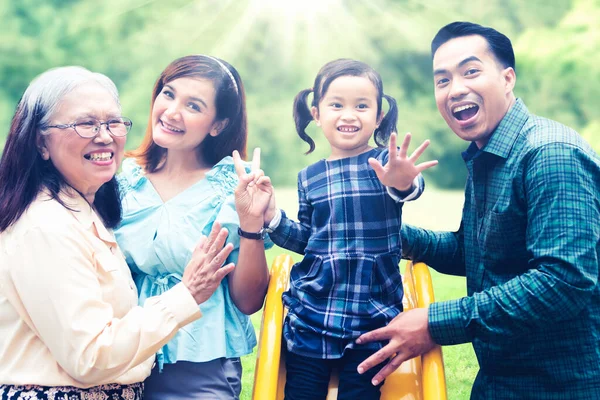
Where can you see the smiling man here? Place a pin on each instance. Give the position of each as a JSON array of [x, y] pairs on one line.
[[528, 243]]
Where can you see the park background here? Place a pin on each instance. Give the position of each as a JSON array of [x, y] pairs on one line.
[[278, 46]]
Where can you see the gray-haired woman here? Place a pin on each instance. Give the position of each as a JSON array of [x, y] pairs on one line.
[[70, 325]]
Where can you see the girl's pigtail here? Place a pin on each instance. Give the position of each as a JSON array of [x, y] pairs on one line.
[[302, 118], [388, 123]]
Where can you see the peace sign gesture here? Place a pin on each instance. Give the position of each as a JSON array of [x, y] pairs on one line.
[[400, 171], [254, 191]]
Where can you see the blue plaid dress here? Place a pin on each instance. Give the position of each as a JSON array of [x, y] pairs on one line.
[[349, 281]]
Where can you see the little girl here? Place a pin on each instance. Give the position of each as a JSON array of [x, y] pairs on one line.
[[349, 231]]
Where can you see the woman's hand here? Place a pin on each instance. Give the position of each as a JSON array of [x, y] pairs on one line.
[[254, 194], [203, 274]]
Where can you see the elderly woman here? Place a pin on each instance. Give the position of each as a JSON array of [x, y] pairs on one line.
[[70, 324]]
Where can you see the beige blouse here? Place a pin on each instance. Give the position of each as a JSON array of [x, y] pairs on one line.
[[68, 304]]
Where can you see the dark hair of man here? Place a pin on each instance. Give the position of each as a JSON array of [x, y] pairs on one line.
[[230, 103], [23, 172], [499, 44], [330, 72]]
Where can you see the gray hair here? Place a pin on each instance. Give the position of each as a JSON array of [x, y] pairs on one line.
[[47, 90]]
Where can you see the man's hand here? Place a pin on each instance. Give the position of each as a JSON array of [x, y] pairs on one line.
[[400, 170], [408, 336]]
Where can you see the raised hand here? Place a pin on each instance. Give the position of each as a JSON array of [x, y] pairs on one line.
[[254, 192], [203, 274], [400, 170]]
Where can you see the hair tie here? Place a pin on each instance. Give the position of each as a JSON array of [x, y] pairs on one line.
[[235, 86]]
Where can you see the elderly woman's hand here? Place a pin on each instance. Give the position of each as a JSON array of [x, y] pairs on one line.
[[204, 273]]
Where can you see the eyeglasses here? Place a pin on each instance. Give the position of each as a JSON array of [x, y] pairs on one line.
[[90, 127]]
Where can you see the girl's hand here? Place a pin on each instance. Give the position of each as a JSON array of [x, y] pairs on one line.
[[400, 171], [254, 193], [203, 274]]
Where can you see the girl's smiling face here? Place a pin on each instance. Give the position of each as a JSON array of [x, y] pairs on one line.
[[347, 114]]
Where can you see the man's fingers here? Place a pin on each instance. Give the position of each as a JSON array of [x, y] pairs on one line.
[[417, 153], [388, 369], [375, 335], [256, 159], [375, 359], [428, 164], [404, 146], [238, 164]]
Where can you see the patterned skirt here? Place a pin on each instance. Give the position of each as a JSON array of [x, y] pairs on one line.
[[111, 391]]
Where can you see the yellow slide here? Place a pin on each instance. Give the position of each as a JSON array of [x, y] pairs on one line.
[[421, 378]]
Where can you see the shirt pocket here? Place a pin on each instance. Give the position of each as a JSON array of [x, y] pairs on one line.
[[386, 282], [312, 277], [502, 242]]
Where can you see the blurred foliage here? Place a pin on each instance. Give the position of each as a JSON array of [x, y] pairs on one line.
[[278, 47]]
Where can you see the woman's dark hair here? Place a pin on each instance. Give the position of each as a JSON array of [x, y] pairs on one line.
[[23, 172], [330, 72], [230, 103], [499, 44]]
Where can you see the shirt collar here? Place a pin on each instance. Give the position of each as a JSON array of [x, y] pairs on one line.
[[504, 137], [85, 214]]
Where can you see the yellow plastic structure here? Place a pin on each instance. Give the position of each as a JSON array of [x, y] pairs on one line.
[[421, 378]]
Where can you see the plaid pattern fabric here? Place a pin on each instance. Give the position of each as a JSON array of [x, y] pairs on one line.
[[529, 245], [349, 280]]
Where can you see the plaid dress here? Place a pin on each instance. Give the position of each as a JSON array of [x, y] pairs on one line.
[[529, 245], [349, 281]]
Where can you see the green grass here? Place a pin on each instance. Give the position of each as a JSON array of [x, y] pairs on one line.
[[434, 210]]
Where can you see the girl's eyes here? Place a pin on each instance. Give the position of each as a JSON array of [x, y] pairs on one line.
[[361, 106], [168, 93]]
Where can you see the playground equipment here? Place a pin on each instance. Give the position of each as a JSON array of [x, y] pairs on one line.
[[421, 378]]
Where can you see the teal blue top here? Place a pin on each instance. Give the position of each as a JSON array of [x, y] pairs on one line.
[[157, 239]]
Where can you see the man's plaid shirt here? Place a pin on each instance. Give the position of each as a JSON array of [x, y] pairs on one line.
[[529, 245], [349, 280]]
